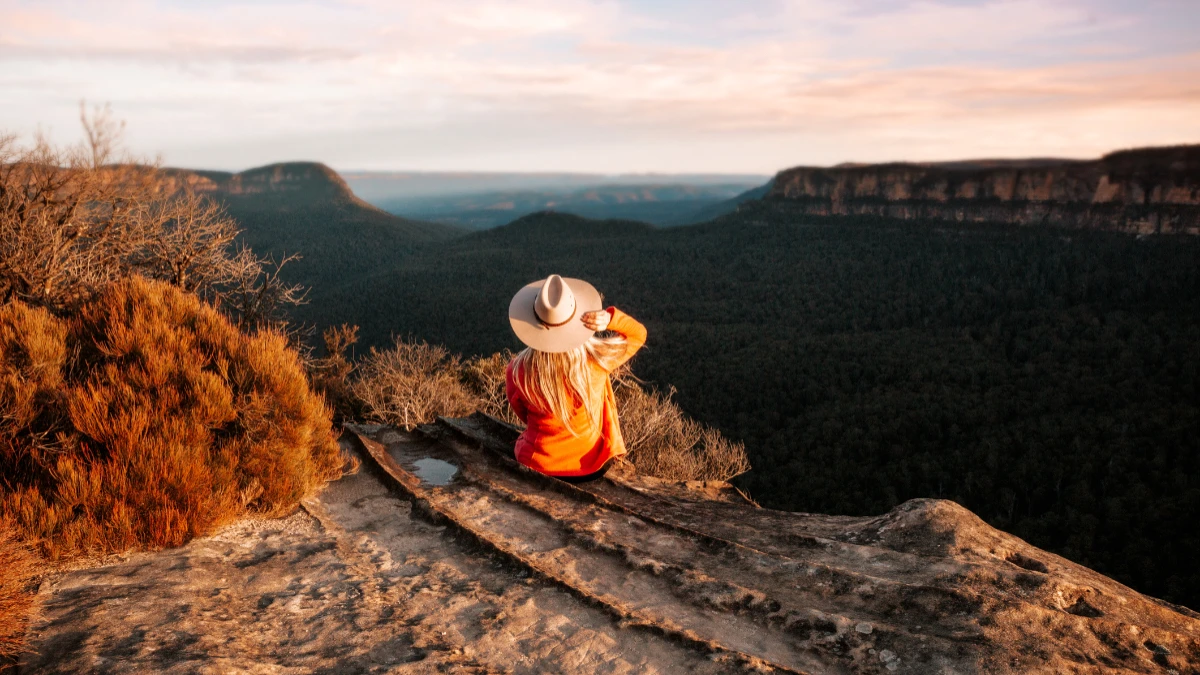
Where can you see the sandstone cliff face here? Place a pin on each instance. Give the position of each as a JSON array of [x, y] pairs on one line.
[[444, 555], [1154, 190]]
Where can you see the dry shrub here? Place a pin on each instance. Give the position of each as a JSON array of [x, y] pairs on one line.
[[18, 569], [411, 384], [484, 379], [75, 219], [148, 419], [330, 374], [33, 356], [664, 442], [414, 382]]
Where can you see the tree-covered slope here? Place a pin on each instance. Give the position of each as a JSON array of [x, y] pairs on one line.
[[306, 208]]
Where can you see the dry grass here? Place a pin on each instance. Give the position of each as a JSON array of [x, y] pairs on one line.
[[148, 419], [18, 569], [411, 384]]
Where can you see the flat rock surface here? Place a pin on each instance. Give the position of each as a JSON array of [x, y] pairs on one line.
[[444, 555], [353, 583]]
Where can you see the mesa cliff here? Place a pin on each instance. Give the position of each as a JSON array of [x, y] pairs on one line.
[[1150, 190], [287, 184], [445, 555]]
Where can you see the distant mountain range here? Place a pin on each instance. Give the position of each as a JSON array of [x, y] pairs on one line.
[[375, 186], [307, 208], [1143, 190], [663, 205], [483, 200]]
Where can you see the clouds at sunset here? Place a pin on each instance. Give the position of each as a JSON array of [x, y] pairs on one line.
[[609, 86]]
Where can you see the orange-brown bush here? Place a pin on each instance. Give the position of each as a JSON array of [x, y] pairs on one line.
[[147, 419], [18, 566]]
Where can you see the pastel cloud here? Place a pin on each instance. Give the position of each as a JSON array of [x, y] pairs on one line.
[[591, 85]]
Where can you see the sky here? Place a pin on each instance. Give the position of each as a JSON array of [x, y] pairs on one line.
[[730, 86]]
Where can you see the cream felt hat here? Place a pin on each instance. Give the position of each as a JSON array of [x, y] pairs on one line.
[[545, 314]]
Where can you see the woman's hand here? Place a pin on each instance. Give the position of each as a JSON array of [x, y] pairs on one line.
[[597, 320]]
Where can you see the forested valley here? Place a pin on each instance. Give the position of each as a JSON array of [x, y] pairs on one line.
[[1045, 379]]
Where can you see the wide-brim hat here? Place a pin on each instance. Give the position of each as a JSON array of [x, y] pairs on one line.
[[545, 314]]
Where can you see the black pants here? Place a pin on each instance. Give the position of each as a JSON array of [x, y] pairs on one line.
[[588, 477]]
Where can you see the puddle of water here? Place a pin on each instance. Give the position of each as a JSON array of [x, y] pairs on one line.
[[435, 471]]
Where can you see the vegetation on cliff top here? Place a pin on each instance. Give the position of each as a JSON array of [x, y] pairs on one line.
[[146, 391], [149, 419], [412, 383]]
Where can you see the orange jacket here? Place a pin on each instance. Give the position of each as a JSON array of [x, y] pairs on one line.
[[548, 446]]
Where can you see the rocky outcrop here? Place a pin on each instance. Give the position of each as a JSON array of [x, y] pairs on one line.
[[290, 183], [289, 177], [1153, 190], [445, 555]]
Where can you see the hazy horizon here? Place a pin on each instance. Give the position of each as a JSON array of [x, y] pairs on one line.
[[606, 86], [702, 175]]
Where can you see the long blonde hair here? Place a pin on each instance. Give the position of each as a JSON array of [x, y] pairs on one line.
[[557, 382]]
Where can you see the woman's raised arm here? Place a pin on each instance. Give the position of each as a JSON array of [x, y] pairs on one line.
[[629, 328]]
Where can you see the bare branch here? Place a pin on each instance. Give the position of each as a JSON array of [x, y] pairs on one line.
[[74, 219], [103, 133]]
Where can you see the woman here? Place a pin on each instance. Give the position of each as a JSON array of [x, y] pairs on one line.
[[559, 385]]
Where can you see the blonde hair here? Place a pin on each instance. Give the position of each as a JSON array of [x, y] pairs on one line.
[[555, 383]]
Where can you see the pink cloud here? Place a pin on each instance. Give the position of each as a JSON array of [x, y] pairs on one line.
[[805, 67]]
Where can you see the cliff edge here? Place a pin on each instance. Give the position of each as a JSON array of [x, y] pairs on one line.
[[1150, 190], [443, 554]]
